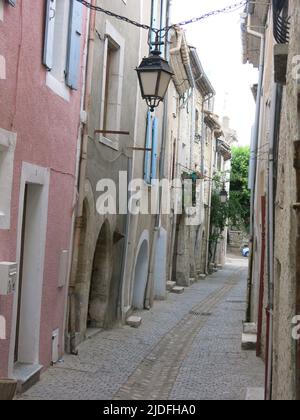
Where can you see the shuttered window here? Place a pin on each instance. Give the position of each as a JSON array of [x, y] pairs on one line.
[[49, 33], [62, 44], [74, 45]]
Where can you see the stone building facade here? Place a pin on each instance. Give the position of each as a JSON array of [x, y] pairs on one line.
[[84, 261], [115, 255], [123, 260], [193, 153], [274, 283]]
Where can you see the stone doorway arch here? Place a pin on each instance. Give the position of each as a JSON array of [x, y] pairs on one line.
[[141, 276], [99, 292]]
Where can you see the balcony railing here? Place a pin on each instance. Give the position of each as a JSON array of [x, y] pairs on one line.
[[281, 21]]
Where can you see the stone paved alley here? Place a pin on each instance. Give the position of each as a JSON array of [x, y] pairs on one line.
[[188, 347]]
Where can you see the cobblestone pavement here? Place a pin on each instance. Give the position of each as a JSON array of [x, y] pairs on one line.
[[188, 347]]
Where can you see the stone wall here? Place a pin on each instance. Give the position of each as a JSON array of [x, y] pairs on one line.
[[284, 373]]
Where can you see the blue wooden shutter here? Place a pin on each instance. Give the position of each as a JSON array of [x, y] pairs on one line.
[[147, 164], [12, 2], [49, 33], [74, 45], [154, 148]]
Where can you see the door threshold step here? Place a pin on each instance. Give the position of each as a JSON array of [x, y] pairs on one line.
[[134, 321], [170, 285], [27, 375], [249, 342], [178, 290]]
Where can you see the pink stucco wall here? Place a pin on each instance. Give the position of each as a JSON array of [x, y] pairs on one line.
[[47, 131]]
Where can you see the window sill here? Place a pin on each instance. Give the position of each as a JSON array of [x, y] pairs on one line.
[[59, 88]]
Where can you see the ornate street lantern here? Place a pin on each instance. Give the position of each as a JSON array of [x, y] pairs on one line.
[[154, 75], [223, 195]]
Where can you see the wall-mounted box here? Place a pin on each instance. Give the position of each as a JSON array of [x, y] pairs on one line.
[[8, 278]]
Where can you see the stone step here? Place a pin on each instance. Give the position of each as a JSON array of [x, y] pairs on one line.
[[249, 342], [170, 285], [27, 375], [202, 276], [134, 321], [8, 389], [178, 290], [250, 328]]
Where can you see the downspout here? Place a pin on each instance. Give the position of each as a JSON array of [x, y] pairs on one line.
[[165, 16], [126, 286], [205, 99], [261, 36], [210, 200], [276, 112], [81, 182], [187, 64]]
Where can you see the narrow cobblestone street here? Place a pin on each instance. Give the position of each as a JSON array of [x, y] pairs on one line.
[[188, 347]]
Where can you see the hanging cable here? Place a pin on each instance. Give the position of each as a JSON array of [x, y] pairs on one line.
[[166, 29]]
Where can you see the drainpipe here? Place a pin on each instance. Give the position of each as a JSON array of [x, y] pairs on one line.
[[81, 182], [275, 118], [126, 276], [165, 17], [261, 36], [210, 198], [205, 99]]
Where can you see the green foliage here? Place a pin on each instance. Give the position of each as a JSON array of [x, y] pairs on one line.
[[219, 213], [236, 211], [239, 201]]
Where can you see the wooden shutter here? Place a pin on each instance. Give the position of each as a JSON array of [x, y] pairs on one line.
[[74, 45], [49, 33]]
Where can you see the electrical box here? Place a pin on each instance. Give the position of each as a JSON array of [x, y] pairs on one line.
[[8, 278]]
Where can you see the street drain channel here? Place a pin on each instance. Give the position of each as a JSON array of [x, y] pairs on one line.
[[200, 313]]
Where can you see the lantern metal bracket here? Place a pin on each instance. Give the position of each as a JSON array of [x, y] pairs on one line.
[[122, 133], [140, 149]]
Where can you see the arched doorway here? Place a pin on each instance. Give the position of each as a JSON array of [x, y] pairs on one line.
[[100, 280], [141, 276]]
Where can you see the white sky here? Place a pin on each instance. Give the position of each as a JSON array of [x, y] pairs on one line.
[[218, 41]]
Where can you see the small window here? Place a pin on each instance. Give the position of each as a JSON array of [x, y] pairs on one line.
[[62, 45], [110, 97], [197, 126], [112, 86], [60, 39]]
